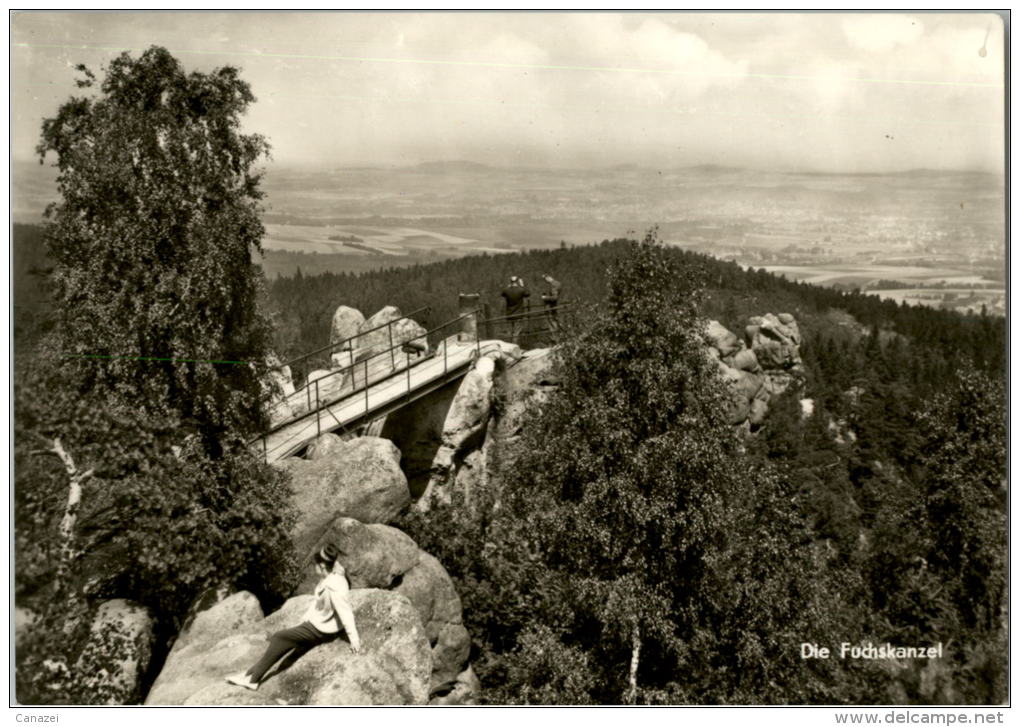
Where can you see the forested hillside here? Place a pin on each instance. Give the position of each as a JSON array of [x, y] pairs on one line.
[[894, 482], [881, 482], [936, 341]]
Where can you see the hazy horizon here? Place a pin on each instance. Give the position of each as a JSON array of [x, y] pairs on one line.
[[794, 92], [536, 167]]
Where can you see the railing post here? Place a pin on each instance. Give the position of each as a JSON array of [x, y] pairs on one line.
[[366, 386], [393, 355], [318, 427], [467, 308], [486, 315], [408, 362], [308, 393]]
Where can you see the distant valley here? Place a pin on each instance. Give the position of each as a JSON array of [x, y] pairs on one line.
[[924, 236]]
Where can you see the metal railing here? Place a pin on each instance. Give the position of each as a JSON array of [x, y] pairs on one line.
[[346, 344], [374, 369], [525, 320]]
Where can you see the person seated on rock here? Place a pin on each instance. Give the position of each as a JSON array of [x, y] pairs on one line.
[[330, 609]]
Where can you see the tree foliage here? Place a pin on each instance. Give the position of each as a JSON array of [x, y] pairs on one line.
[[634, 536], [148, 384], [153, 238]]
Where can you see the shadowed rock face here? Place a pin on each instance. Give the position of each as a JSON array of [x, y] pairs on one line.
[[393, 668], [360, 478], [417, 430]]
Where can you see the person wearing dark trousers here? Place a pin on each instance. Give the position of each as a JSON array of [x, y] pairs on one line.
[[551, 300], [515, 295], [330, 610]]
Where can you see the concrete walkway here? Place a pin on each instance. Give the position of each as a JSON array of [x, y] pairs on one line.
[[404, 385]]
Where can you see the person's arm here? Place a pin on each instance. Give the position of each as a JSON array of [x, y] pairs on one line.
[[341, 601]]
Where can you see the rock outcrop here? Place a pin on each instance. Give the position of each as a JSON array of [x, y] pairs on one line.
[[721, 339], [525, 382], [117, 653], [279, 386], [400, 331], [463, 427], [359, 478], [393, 668], [383, 557], [491, 405], [765, 365], [346, 324], [279, 377], [775, 341]]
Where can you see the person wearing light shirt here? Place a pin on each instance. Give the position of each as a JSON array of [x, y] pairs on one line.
[[328, 613]]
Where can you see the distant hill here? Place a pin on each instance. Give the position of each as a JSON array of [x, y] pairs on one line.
[[713, 169], [448, 167]]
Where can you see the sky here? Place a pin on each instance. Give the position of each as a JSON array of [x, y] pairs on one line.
[[786, 91]]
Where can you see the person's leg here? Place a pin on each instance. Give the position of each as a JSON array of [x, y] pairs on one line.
[[550, 311], [302, 637]]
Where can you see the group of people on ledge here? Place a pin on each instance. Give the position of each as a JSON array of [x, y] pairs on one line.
[[516, 295]]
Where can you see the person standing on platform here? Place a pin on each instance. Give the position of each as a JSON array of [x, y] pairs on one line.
[[515, 295], [551, 300]]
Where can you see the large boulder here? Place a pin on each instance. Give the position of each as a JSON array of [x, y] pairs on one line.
[[393, 667], [748, 385], [380, 556], [775, 344], [223, 617], [346, 324], [430, 589], [279, 378], [360, 478], [400, 330], [463, 428], [373, 555], [739, 404], [721, 339], [117, 653], [744, 359], [325, 446], [469, 410]]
